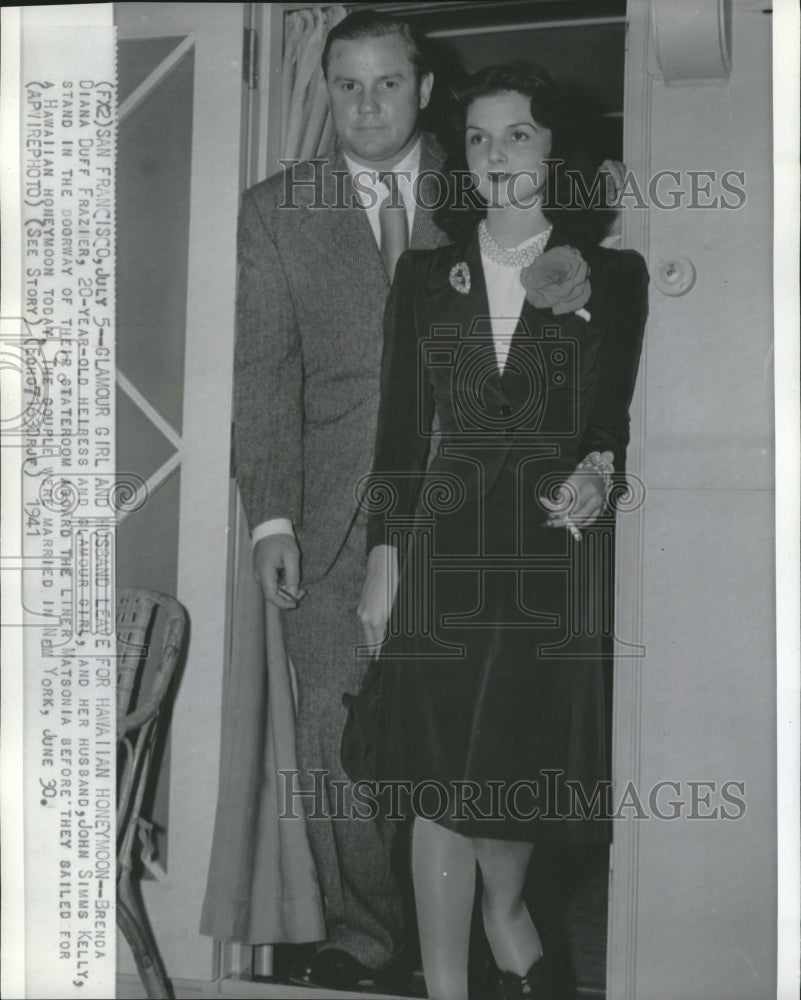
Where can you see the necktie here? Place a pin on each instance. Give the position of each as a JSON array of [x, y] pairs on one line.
[[393, 222]]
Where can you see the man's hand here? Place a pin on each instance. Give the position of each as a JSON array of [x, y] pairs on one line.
[[615, 178], [276, 566], [378, 594]]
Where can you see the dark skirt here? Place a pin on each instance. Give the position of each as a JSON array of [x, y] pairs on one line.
[[492, 703]]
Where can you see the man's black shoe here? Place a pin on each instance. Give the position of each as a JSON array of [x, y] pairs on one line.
[[332, 969]]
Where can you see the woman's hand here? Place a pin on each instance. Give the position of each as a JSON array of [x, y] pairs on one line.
[[378, 594], [577, 503]]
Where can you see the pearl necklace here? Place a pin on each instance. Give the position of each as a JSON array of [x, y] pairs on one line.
[[518, 257]]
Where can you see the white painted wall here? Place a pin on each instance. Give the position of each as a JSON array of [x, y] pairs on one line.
[[702, 894]]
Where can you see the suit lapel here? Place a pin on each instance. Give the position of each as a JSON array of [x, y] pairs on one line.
[[342, 228], [529, 325], [476, 305], [425, 232], [471, 312], [583, 335], [471, 309], [532, 321], [500, 384], [346, 228]]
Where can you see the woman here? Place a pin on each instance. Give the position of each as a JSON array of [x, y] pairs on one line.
[[523, 340]]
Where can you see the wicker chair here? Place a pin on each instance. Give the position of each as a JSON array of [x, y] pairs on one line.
[[143, 679]]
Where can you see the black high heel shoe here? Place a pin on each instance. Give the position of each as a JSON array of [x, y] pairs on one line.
[[541, 982]]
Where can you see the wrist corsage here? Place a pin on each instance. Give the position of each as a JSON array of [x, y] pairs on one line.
[[559, 280], [601, 463]]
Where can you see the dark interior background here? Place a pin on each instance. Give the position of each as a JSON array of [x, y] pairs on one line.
[[579, 42]]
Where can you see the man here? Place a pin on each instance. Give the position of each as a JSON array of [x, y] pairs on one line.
[[317, 248]]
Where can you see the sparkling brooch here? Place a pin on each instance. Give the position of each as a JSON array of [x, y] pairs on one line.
[[460, 277]]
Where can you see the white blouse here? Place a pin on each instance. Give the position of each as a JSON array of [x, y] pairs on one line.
[[505, 295]]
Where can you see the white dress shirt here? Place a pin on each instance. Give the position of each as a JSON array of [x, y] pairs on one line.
[[370, 193]]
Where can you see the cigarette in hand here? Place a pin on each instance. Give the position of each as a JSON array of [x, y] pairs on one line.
[[567, 523], [291, 595]]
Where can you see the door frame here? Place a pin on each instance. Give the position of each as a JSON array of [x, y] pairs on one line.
[[262, 160], [621, 942], [174, 902]]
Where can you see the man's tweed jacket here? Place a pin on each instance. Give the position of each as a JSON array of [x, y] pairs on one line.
[[310, 310]]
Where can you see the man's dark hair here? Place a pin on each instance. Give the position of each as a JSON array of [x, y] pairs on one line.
[[376, 24]]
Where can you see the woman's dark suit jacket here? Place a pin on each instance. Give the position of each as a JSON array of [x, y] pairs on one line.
[[492, 670], [565, 390]]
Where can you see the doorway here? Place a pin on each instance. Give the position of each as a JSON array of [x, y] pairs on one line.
[[583, 44]]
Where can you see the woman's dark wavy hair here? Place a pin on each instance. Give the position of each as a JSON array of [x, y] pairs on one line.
[[550, 109]]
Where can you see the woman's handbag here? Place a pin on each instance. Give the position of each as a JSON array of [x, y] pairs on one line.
[[361, 733]]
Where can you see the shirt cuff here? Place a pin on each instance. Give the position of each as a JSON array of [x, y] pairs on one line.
[[276, 526]]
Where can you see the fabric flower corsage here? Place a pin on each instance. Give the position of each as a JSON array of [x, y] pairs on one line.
[[460, 277], [559, 279]]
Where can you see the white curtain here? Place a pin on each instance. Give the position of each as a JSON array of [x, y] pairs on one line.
[[262, 886], [306, 127]]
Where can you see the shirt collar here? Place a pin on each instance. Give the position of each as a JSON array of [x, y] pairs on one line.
[[368, 177]]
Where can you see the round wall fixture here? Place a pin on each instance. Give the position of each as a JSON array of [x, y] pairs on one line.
[[693, 40], [674, 275]]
